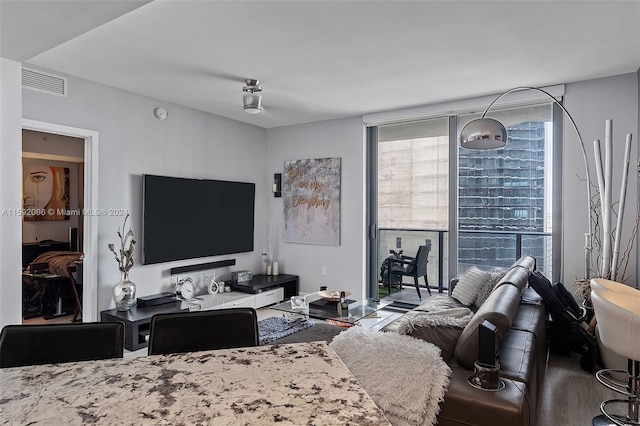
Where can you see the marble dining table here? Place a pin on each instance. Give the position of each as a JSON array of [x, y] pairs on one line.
[[289, 384]]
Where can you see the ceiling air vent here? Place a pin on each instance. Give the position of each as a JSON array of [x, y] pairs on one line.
[[43, 82]]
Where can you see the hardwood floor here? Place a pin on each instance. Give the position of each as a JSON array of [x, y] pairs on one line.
[[571, 396], [40, 320]]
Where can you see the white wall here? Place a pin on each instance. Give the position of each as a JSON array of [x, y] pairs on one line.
[[345, 263], [591, 103], [10, 192], [195, 144], [189, 143]]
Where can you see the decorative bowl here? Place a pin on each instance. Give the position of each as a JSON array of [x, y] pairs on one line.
[[332, 295]]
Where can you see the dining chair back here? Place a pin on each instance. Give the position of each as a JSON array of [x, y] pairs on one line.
[[203, 330], [22, 345]]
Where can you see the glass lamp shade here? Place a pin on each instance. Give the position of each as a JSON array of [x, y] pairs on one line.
[[483, 133], [252, 103]]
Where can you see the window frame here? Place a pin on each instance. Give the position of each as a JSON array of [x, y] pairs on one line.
[[372, 122]]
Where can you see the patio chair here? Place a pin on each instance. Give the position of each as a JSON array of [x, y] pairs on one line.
[[411, 267]]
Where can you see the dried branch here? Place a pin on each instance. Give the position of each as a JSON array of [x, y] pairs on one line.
[[127, 243]]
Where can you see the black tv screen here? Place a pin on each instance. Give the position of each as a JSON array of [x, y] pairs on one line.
[[189, 218]]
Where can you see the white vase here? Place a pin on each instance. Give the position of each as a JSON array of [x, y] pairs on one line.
[[124, 293]]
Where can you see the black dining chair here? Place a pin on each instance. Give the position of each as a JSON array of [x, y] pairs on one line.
[[410, 266], [203, 330], [22, 345]]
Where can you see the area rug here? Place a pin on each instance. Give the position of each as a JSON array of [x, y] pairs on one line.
[[406, 377], [274, 328]]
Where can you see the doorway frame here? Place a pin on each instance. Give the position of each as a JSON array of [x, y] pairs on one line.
[[90, 222]]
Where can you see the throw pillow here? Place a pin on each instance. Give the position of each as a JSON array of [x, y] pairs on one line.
[[469, 285], [487, 288], [442, 329]]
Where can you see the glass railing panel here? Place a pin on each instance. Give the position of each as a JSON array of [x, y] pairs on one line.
[[485, 249]]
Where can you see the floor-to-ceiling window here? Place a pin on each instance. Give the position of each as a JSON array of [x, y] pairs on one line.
[[413, 192], [502, 199]]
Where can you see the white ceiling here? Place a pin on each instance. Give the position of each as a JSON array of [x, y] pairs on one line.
[[320, 60]]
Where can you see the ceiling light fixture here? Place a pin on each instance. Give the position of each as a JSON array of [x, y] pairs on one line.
[[252, 102], [487, 133]]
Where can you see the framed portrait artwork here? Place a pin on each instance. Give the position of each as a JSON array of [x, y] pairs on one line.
[[45, 192]]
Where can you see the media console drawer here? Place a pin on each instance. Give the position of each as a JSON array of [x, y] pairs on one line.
[[269, 297], [243, 302]]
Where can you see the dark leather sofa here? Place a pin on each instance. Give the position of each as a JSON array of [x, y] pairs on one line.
[[520, 318]]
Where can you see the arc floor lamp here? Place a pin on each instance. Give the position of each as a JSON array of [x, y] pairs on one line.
[[488, 133]]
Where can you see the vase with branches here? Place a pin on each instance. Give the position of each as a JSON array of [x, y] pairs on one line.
[[607, 218], [124, 291]]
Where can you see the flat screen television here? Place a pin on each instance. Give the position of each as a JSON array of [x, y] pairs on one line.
[[190, 218]]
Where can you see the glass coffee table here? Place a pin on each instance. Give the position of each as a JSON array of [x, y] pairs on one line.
[[319, 308]]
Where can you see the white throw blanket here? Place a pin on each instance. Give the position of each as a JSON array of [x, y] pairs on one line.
[[406, 377]]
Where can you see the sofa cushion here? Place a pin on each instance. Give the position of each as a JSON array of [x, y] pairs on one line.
[[518, 361], [435, 303], [530, 297], [441, 328], [518, 356], [532, 319], [438, 302], [467, 289], [500, 309]]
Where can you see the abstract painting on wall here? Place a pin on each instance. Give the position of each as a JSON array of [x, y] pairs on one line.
[[311, 192], [45, 192]]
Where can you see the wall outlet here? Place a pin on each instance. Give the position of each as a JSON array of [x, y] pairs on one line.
[[323, 271]]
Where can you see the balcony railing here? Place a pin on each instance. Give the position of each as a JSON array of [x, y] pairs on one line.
[[486, 248]]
